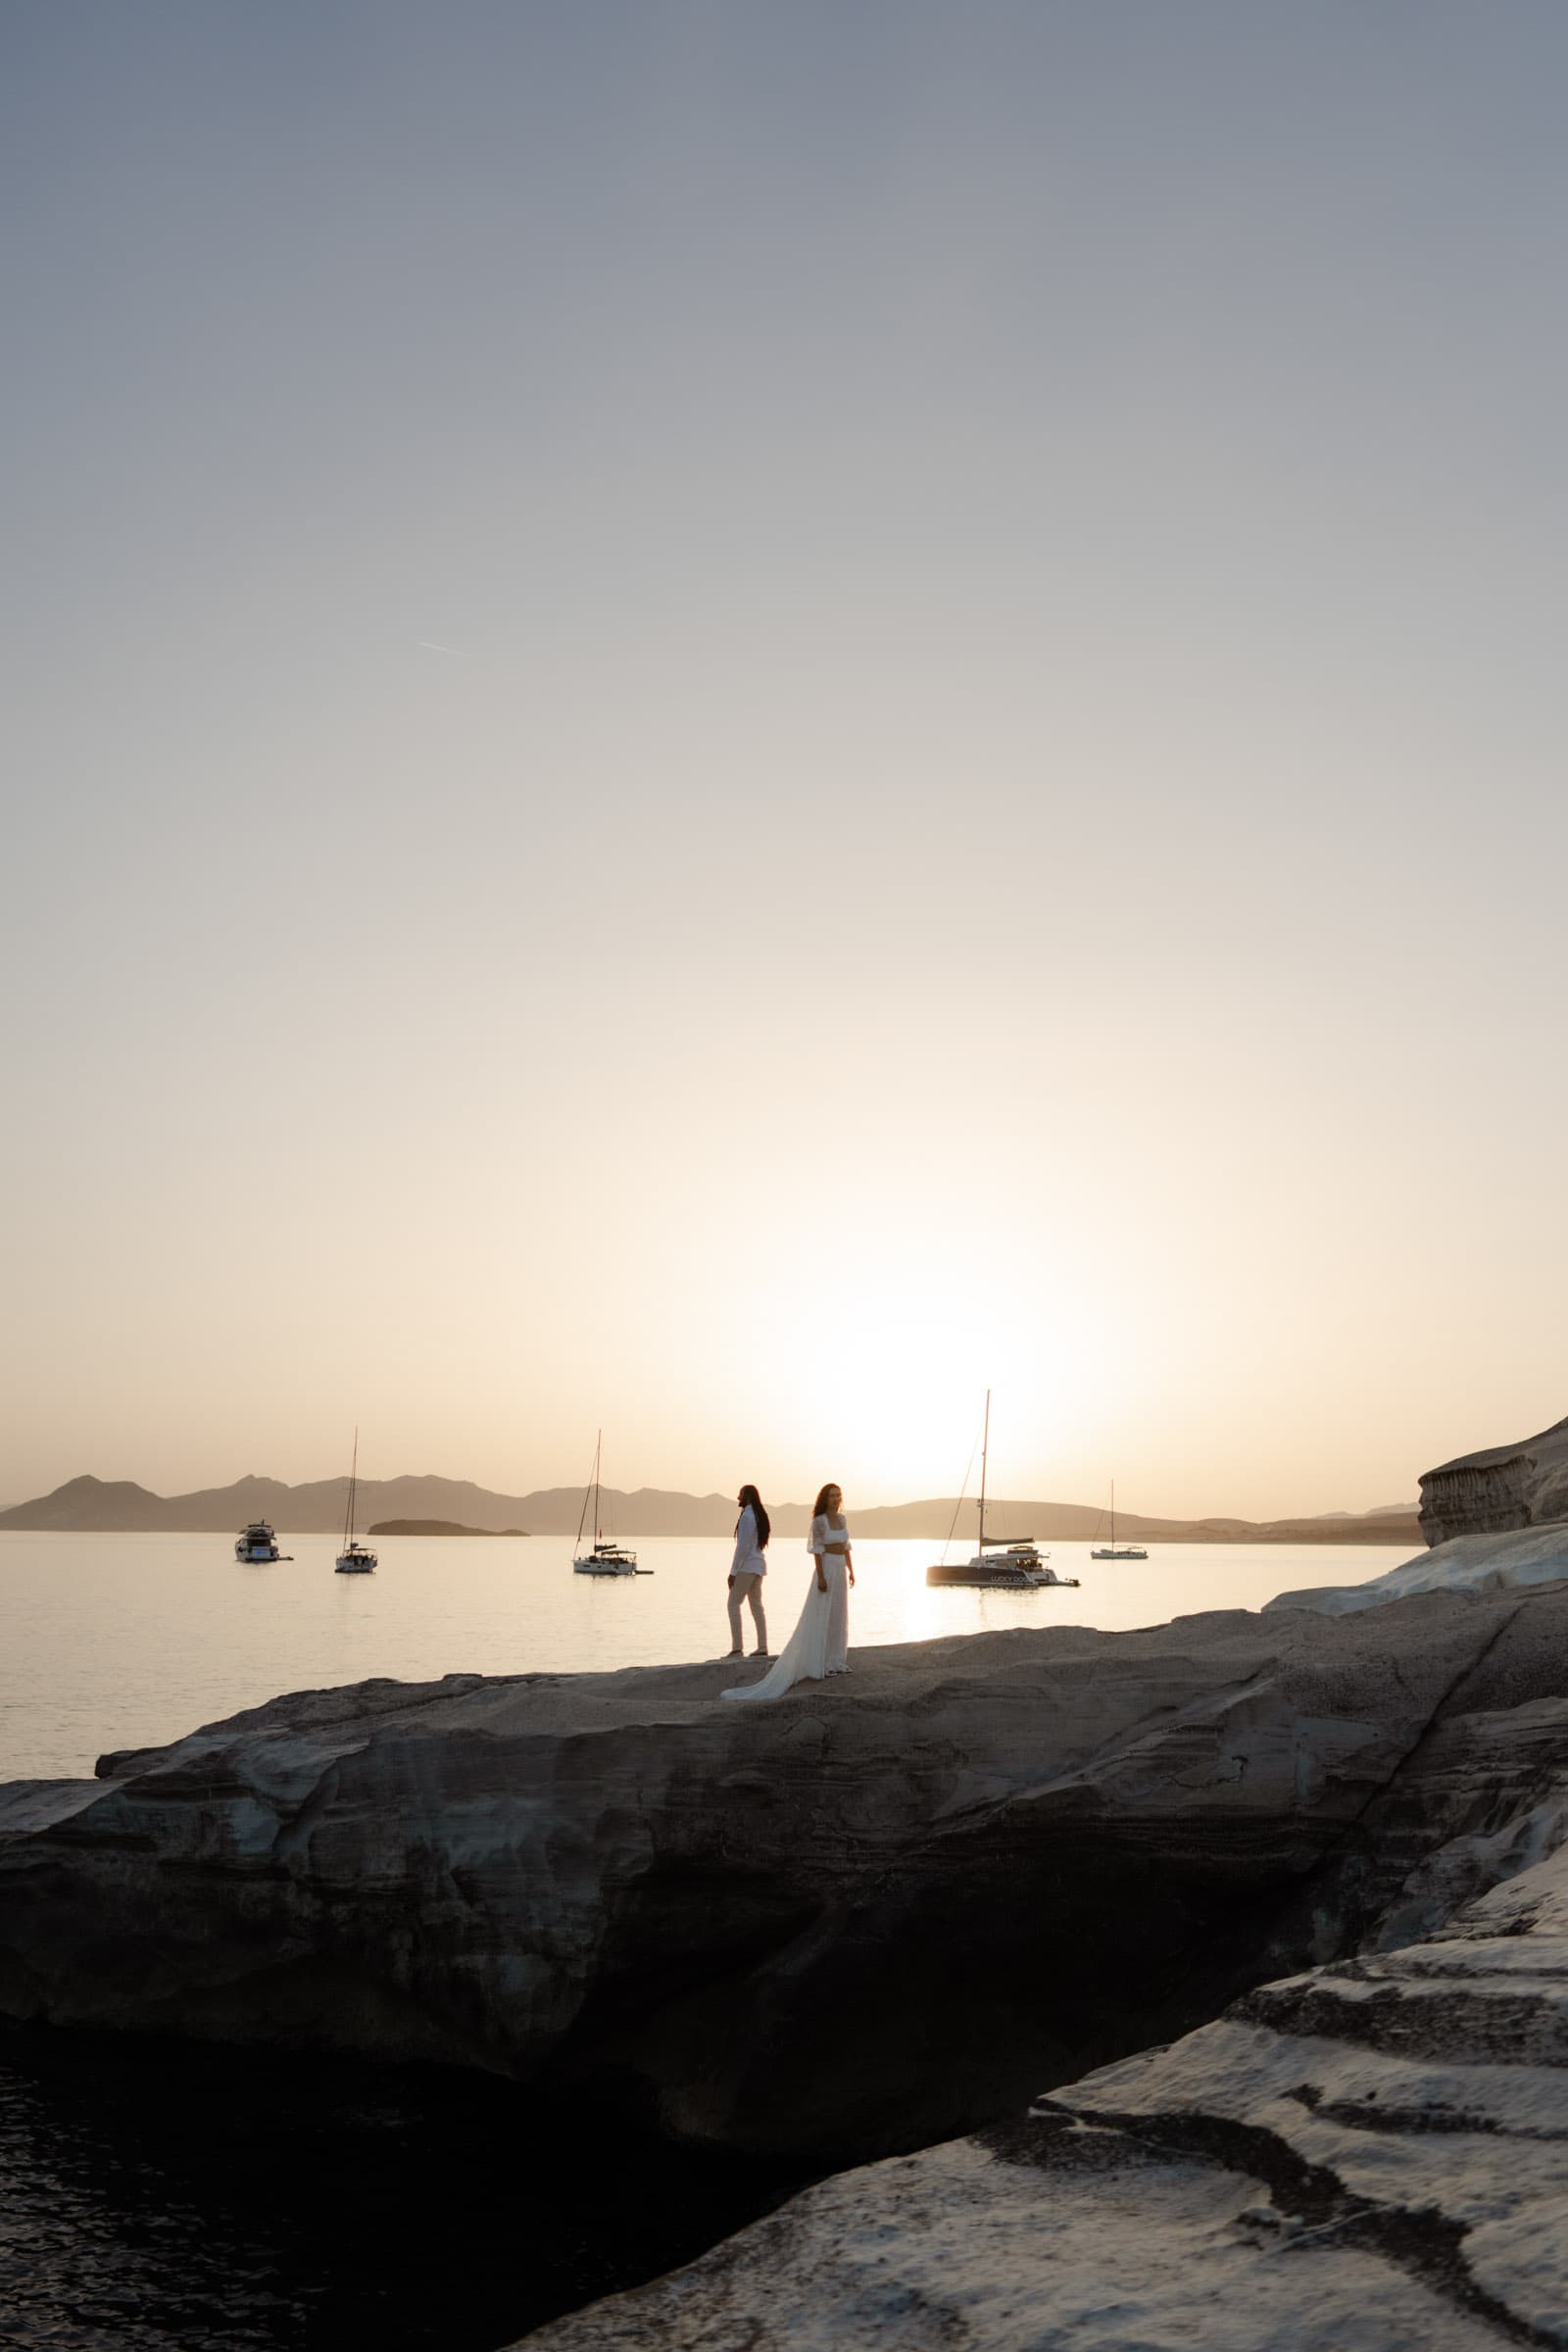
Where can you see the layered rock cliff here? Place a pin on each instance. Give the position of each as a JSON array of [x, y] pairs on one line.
[[880, 1911], [1499, 1490]]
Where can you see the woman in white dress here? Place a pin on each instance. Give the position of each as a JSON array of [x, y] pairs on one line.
[[819, 1643]]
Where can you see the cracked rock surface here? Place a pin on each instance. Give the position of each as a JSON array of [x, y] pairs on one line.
[[1371, 2156], [879, 1913]]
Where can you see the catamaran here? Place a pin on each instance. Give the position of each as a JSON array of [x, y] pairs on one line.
[[1003, 1563], [605, 1559], [1114, 1550], [353, 1559]]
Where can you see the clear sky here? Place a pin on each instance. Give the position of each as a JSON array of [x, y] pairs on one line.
[[727, 718]]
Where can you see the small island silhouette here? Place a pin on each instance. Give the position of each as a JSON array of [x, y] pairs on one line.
[[437, 1527]]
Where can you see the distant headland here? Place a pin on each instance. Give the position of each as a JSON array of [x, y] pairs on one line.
[[437, 1527], [455, 1507]]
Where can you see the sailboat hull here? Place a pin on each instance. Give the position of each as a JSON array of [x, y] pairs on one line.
[[996, 1576], [608, 1559]]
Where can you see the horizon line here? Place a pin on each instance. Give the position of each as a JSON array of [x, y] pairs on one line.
[[715, 1494]]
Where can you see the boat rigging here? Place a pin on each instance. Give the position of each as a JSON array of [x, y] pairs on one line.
[[1003, 1563], [604, 1559], [355, 1559]]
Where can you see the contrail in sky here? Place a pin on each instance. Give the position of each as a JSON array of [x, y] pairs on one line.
[[429, 646]]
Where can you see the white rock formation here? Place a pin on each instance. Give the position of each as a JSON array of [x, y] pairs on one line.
[[1533, 1555]]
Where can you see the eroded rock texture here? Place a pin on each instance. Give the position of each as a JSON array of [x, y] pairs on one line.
[[1372, 2155], [1501, 1488], [882, 1911]]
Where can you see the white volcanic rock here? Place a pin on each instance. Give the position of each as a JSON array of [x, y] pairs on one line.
[[1532, 1555], [1370, 2157]]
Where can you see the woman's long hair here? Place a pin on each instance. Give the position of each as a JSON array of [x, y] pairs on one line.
[[764, 1525], [820, 1504]]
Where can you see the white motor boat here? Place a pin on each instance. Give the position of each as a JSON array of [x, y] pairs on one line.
[[604, 1558], [1003, 1563], [257, 1544], [353, 1559]]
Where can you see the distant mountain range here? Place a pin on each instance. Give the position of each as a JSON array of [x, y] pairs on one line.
[[89, 1505]]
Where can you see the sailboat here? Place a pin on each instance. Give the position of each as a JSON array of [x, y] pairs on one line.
[[1114, 1550], [605, 1559], [1003, 1563], [353, 1559]]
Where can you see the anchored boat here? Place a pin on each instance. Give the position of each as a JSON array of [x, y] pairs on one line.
[[353, 1559], [1003, 1563], [1114, 1550], [257, 1544], [605, 1559]]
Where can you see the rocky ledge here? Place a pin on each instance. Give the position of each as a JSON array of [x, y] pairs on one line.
[[1374, 2154], [880, 1912]]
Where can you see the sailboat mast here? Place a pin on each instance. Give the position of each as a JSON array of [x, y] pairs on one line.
[[598, 1530], [591, 1488], [348, 1524], [1114, 1514], [985, 1448]]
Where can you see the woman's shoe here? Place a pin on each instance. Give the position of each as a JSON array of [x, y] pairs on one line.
[[761, 1653]]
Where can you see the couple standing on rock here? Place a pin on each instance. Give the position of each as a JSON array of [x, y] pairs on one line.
[[819, 1643]]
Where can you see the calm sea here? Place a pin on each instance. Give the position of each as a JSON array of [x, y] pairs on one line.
[[129, 1641], [169, 2198]]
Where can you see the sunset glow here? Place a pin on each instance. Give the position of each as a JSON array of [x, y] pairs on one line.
[[729, 750]]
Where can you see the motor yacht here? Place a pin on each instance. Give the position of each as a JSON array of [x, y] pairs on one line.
[[257, 1544]]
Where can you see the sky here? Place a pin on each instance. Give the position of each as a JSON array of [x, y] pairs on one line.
[[727, 720]]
